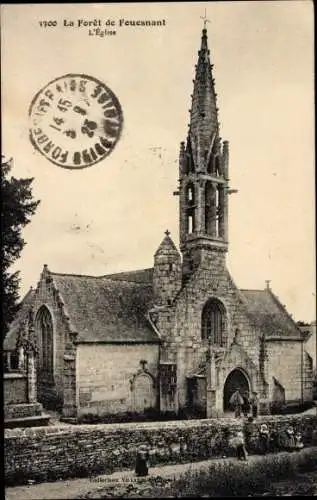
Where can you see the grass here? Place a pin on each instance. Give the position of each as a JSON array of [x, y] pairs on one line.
[[242, 478], [222, 478]]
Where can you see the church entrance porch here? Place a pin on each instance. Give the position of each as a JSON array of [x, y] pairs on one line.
[[236, 379]]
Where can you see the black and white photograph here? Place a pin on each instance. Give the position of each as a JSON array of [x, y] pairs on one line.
[[158, 248]]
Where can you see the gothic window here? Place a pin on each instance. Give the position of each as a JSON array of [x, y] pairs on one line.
[[190, 194], [217, 165], [190, 221], [217, 211], [44, 328], [190, 166], [213, 322], [209, 166], [14, 360], [210, 208], [190, 208], [220, 211]]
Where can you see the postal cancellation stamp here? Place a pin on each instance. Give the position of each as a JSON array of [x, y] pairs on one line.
[[75, 121]]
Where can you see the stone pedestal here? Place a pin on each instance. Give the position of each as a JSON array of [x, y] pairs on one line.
[[264, 407], [211, 404], [31, 371], [211, 383], [69, 404]]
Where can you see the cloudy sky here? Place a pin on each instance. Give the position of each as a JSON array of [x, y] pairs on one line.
[[112, 216]]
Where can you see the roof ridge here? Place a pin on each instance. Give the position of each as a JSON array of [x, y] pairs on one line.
[[76, 275], [104, 277], [143, 283], [134, 270], [252, 290], [108, 276]]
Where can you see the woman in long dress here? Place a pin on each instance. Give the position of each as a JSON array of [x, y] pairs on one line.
[[141, 463], [238, 443]]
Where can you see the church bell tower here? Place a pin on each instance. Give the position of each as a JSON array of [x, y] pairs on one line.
[[203, 175]]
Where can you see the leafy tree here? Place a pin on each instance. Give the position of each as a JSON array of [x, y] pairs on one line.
[[16, 210]]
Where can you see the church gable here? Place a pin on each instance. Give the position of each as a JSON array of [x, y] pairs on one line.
[[269, 314]]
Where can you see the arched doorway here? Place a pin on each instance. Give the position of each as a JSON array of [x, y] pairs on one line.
[[143, 393], [235, 380]]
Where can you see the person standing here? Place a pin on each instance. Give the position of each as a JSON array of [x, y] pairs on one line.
[[236, 402], [289, 439], [264, 439], [141, 463], [255, 405], [246, 404], [248, 432], [298, 441], [238, 443]]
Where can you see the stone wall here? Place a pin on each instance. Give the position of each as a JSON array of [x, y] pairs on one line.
[[108, 380], [53, 452]]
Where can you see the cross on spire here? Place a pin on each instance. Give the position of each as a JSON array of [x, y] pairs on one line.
[[205, 19], [167, 232]]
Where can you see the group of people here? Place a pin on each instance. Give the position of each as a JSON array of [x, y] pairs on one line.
[[287, 440], [242, 403]]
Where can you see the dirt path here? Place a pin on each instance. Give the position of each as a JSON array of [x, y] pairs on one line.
[[73, 488]]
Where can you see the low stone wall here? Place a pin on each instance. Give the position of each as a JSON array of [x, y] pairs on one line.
[[50, 453]]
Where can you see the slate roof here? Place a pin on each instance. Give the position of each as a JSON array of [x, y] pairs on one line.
[[103, 309], [139, 276], [114, 308], [167, 247], [268, 313], [9, 343]]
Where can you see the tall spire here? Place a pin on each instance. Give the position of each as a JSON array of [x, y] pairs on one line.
[[203, 174], [204, 125]]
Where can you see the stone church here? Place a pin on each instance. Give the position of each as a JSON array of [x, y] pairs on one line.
[[180, 336]]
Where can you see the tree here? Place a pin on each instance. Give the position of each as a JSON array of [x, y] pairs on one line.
[[17, 208]]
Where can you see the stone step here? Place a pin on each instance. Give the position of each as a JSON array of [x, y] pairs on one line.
[[34, 421]]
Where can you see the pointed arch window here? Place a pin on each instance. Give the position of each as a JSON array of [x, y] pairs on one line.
[[213, 322], [190, 194], [217, 165], [210, 208], [190, 208], [44, 327], [190, 165]]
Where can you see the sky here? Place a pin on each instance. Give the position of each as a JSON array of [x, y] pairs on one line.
[[112, 216]]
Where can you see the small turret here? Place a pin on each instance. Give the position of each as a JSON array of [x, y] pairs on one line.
[[167, 277]]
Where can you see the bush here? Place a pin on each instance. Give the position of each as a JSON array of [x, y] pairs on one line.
[[149, 415], [233, 478], [222, 478]]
